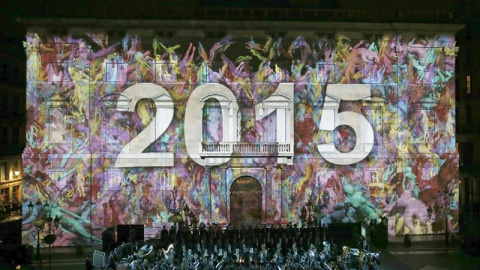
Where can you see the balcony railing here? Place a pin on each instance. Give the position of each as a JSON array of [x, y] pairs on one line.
[[246, 149]]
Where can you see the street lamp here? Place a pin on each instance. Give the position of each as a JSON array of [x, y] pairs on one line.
[[281, 167], [40, 223], [446, 195], [52, 223], [15, 171], [38, 204], [30, 207]]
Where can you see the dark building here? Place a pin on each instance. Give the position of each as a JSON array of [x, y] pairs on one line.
[[468, 109], [12, 116]]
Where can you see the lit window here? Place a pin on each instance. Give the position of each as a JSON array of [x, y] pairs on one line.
[[469, 85]]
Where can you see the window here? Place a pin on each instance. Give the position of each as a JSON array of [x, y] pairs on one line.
[[16, 136], [164, 177], [423, 127], [15, 193], [58, 32], [425, 37], [113, 33], [326, 35], [116, 70], [469, 85], [215, 34], [113, 178], [16, 106], [276, 35], [3, 171], [466, 153], [3, 104], [57, 125], [4, 196], [469, 127], [3, 135], [56, 174], [375, 116], [15, 169], [373, 36], [116, 130], [168, 34]]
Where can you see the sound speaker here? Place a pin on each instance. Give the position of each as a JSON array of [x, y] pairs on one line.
[[129, 233], [108, 239]]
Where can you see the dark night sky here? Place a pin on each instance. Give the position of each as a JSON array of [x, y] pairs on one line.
[[12, 31], [10, 9]]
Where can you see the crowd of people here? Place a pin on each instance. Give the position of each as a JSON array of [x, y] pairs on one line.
[[10, 209], [242, 247]]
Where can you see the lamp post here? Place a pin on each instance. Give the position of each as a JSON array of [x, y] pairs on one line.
[[446, 195], [281, 167], [52, 224], [40, 223]]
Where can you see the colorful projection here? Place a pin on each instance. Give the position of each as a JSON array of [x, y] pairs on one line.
[[239, 131]]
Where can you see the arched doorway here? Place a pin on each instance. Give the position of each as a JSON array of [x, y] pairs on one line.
[[246, 201]]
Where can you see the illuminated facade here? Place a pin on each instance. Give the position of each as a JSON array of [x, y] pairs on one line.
[[245, 125]]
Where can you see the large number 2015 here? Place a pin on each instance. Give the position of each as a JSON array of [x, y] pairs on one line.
[[280, 101]]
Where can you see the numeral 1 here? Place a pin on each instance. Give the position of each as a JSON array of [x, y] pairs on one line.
[[281, 101]]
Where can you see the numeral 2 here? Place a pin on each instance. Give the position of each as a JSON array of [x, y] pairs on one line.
[[132, 153]]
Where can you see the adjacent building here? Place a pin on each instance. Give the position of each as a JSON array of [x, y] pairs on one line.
[[468, 114], [12, 129]]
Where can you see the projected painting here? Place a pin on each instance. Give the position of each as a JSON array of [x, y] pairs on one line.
[[240, 131]]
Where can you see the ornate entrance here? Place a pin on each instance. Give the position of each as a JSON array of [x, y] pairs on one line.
[[245, 201]]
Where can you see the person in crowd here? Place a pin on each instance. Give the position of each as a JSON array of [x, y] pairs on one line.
[[88, 263], [245, 248]]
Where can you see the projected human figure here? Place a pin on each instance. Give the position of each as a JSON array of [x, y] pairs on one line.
[[416, 191], [387, 174], [362, 206], [394, 197], [71, 225], [411, 177], [33, 47]]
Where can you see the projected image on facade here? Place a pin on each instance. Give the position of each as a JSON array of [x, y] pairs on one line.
[[239, 131]]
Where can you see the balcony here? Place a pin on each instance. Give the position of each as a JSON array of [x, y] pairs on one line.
[[227, 149]]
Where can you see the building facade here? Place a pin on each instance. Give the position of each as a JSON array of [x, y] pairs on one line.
[[468, 113], [239, 123], [12, 128]]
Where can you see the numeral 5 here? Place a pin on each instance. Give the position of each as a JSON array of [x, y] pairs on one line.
[[331, 119]]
